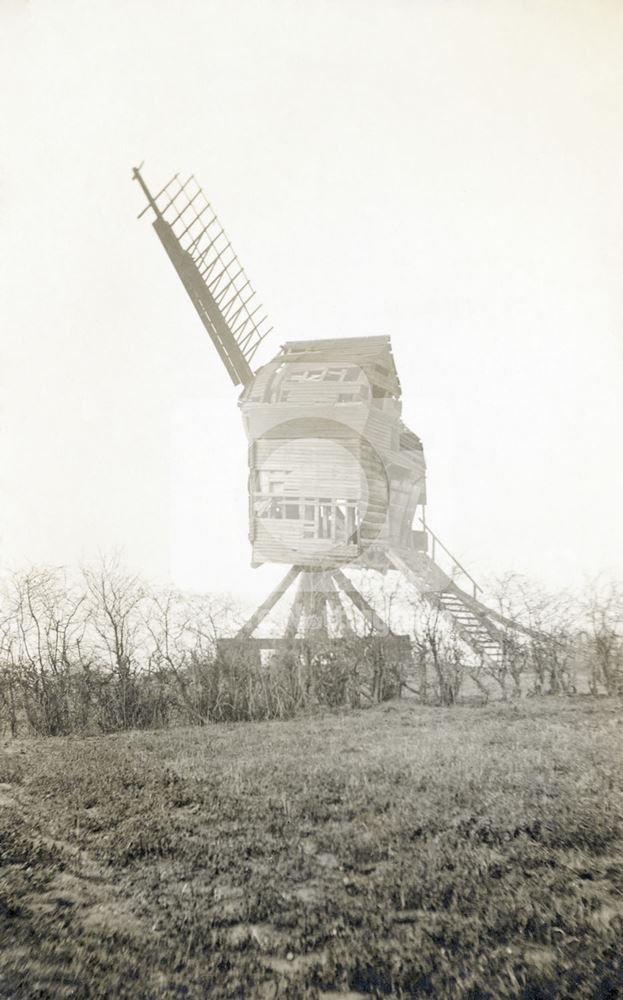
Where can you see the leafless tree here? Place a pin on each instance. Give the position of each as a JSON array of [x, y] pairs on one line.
[[9, 679], [441, 658], [538, 638], [116, 603], [186, 631], [603, 608], [44, 624]]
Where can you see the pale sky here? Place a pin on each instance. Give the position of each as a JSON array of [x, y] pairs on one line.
[[448, 173]]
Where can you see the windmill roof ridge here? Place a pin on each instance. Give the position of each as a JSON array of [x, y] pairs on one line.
[[382, 340], [356, 350], [365, 352]]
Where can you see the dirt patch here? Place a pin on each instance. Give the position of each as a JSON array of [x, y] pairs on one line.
[[293, 964], [113, 917], [310, 893], [7, 798]]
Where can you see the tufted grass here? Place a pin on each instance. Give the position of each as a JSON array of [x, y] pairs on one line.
[[402, 851]]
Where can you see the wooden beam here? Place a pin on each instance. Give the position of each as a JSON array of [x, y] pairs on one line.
[[296, 612], [252, 642], [366, 609], [313, 594], [258, 616], [333, 601]]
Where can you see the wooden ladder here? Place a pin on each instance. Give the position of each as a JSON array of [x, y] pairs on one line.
[[471, 621]]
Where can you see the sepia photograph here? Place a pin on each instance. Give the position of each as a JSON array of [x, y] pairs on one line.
[[311, 546]]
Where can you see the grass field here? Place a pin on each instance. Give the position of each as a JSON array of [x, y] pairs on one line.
[[402, 851]]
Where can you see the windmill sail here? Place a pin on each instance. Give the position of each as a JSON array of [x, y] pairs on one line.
[[210, 271]]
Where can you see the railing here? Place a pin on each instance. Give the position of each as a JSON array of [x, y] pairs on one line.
[[455, 562]]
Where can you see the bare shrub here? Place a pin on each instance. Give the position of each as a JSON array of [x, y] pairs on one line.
[[44, 625], [104, 654], [117, 631], [441, 658], [355, 670], [538, 642]]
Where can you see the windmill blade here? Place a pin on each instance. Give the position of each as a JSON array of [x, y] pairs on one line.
[[210, 271]]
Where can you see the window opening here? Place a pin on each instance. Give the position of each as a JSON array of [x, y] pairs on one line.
[[325, 519], [270, 507], [352, 524], [273, 480], [341, 508], [311, 375], [322, 518]]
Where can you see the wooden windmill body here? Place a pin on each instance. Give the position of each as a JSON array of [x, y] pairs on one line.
[[334, 473], [336, 479]]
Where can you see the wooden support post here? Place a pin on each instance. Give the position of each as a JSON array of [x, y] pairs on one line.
[[333, 601], [366, 609], [296, 611], [323, 586], [314, 595], [269, 603]]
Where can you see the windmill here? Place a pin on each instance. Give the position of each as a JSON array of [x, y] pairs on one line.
[[336, 479]]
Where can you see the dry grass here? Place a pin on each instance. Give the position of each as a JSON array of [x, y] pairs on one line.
[[403, 851]]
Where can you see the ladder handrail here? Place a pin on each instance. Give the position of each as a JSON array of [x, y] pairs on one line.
[[456, 563]]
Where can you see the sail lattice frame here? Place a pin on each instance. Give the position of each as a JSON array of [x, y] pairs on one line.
[[209, 267]]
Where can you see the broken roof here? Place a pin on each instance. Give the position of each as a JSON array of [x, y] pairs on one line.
[[353, 350]]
